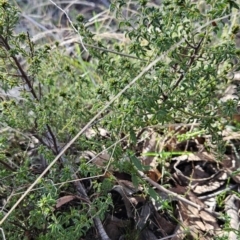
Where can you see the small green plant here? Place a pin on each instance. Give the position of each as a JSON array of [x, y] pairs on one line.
[[172, 68]]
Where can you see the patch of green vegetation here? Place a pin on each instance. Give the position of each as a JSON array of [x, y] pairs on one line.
[[170, 71]]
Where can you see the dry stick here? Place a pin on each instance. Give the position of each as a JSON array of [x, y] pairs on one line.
[[3, 235], [175, 195], [100, 228], [70, 21], [112, 51], [98, 115]]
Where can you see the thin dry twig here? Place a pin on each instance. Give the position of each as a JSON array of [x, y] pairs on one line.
[[70, 21]]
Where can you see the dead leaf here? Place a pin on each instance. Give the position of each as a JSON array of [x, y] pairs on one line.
[[212, 184], [92, 157], [154, 174], [63, 200], [113, 226]]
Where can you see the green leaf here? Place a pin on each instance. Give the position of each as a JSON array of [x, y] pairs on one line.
[[233, 4], [153, 194], [133, 136], [135, 180], [137, 163], [164, 154]]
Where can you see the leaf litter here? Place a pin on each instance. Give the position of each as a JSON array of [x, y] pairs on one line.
[[188, 207], [184, 193]]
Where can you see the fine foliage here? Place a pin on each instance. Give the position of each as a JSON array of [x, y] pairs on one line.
[[179, 59]]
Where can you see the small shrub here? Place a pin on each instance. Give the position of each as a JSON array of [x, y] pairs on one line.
[[54, 98]]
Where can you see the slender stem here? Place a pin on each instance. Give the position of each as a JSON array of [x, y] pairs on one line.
[[191, 61], [24, 75], [7, 165]]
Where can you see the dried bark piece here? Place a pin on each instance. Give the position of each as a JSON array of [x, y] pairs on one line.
[[232, 205]]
